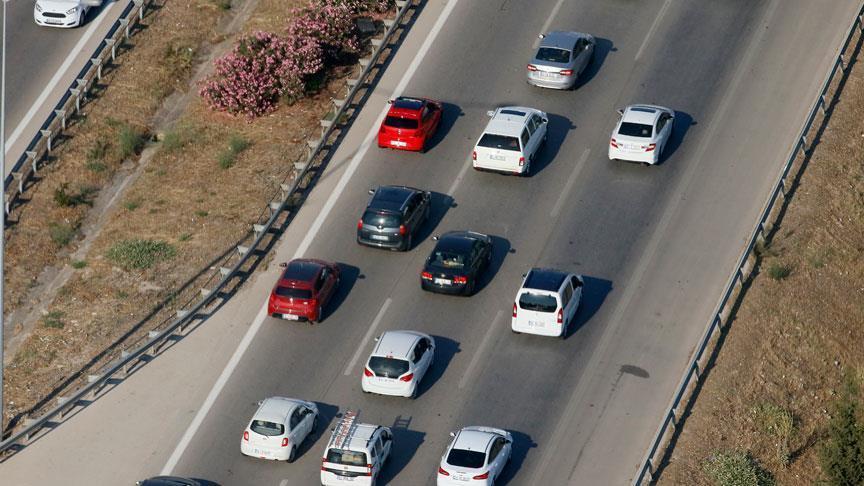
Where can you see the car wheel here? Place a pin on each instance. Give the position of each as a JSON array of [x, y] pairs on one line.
[[408, 242], [415, 391], [293, 454], [469, 290], [320, 316], [314, 424], [514, 331], [564, 330]]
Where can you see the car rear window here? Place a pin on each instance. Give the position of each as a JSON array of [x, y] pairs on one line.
[[387, 220], [538, 302], [553, 54], [635, 130], [269, 429], [502, 142], [396, 122], [346, 458], [466, 458], [293, 293], [447, 259], [388, 367]]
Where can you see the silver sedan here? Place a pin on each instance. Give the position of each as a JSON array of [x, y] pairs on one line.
[[560, 59]]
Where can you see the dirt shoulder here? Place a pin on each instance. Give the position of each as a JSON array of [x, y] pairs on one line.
[[799, 328]]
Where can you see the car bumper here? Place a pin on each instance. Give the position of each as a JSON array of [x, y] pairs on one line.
[[392, 243], [398, 389], [450, 481], [454, 289], [330, 479], [414, 144], [250, 450], [641, 156], [289, 315], [498, 168], [557, 83], [545, 330], [67, 21]]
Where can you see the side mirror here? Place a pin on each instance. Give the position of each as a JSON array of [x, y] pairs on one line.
[[541, 36], [92, 3], [524, 275], [389, 102], [371, 192], [435, 238], [283, 265], [490, 113], [260, 402], [452, 434], [377, 338], [545, 120], [620, 111]]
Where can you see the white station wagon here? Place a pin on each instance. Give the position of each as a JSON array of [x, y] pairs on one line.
[[356, 453], [511, 140], [547, 302], [278, 428]]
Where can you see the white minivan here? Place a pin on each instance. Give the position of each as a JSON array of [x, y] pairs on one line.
[[547, 302], [511, 140], [356, 453]]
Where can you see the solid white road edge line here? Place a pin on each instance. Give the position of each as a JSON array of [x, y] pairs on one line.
[[654, 25], [368, 336], [482, 349], [186, 439], [569, 185], [548, 22], [459, 177], [73, 55]]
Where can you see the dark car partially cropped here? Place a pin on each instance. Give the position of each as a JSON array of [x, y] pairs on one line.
[[393, 216], [168, 481], [456, 263]]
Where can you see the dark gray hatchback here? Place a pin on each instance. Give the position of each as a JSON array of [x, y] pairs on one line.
[[393, 216]]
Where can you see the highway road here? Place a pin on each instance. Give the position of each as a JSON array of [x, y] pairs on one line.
[[656, 246], [41, 63]]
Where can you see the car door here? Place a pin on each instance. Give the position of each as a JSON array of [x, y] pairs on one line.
[[295, 429], [423, 357], [577, 290], [666, 131], [496, 464], [570, 305], [307, 418], [582, 54], [541, 123], [415, 212]]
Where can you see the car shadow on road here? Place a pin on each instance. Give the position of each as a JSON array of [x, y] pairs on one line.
[[407, 442], [593, 294], [683, 122], [500, 249], [445, 349], [602, 48], [440, 204], [348, 276], [449, 114], [326, 415], [522, 443], [556, 132]]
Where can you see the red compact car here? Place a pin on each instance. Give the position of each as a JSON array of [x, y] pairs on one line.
[[303, 290], [409, 124]]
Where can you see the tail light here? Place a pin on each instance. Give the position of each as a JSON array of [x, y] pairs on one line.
[[443, 471], [407, 378], [613, 143], [367, 372], [403, 230], [360, 224], [285, 442], [368, 470], [565, 72], [560, 316], [246, 435], [521, 161], [650, 147], [482, 476], [473, 155], [323, 460], [532, 67], [460, 280], [514, 309], [426, 276]]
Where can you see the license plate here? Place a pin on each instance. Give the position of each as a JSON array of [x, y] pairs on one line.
[[498, 157], [443, 281], [290, 317], [379, 237], [536, 324], [345, 478], [398, 143], [545, 75]]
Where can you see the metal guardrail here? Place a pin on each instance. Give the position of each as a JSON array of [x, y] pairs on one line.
[[285, 199], [747, 261], [40, 145]]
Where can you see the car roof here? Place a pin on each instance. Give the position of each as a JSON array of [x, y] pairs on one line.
[[360, 435], [391, 197], [544, 279], [301, 271], [168, 481], [644, 114], [407, 103], [473, 440], [396, 344], [456, 241], [509, 120], [561, 39], [276, 409]]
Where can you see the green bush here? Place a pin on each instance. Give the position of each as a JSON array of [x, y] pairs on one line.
[[779, 271], [61, 233], [130, 141], [53, 320], [236, 145], [140, 254], [736, 468], [842, 453], [66, 199], [79, 264], [778, 423]]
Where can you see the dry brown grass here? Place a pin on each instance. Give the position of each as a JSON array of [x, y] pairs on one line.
[[795, 337]]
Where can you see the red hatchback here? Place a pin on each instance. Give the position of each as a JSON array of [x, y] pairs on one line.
[[409, 123], [303, 290]]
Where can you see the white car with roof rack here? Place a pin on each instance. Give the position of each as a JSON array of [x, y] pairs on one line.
[[547, 302], [398, 363], [476, 456], [278, 428], [511, 140], [641, 134], [356, 452]]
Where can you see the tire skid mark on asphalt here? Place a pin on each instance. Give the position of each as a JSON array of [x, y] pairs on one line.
[[577, 168], [349, 369], [480, 350]]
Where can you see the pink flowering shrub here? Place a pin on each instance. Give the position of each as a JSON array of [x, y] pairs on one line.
[[331, 23]]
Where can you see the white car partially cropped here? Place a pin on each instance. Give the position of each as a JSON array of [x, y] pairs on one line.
[[475, 457], [398, 363], [63, 13], [641, 133], [278, 428]]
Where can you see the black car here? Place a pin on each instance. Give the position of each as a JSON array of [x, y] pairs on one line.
[[168, 481], [393, 217], [457, 261]]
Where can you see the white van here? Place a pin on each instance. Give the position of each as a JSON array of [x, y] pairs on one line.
[[547, 302], [511, 140], [356, 453]]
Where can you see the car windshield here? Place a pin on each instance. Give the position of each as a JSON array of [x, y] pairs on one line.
[[396, 122], [502, 142], [269, 429], [447, 259], [346, 458], [388, 367], [293, 293], [553, 54], [466, 458], [538, 302], [387, 220], [635, 130]]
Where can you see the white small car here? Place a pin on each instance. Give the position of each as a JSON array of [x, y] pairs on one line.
[[398, 363], [476, 456], [641, 134], [278, 428], [511, 140], [62, 13], [547, 302], [356, 453]]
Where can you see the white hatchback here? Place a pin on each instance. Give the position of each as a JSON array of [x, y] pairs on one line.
[[475, 457], [278, 428], [398, 363], [641, 133], [511, 140], [547, 302]]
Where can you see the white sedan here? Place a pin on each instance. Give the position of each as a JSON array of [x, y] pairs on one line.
[[641, 134], [278, 428], [62, 13], [475, 457]]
